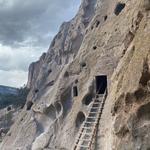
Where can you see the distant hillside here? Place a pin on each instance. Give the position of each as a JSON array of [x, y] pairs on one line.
[[12, 96], [8, 90]]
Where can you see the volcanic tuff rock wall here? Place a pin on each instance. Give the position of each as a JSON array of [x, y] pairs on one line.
[[108, 37]]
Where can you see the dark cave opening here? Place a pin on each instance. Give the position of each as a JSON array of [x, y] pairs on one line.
[[101, 84], [80, 119], [105, 18], [75, 91], [29, 105], [87, 99], [97, 23], [119, 8]]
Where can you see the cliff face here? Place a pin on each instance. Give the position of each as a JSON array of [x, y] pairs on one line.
[[105, 38]]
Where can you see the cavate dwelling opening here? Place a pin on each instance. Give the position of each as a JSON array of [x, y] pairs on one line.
[[105, 18], [119, 8], [101, 84], [29, 105], [87, 99], [36, 90], [66, 74], [49, 71], [75, 91], [80, 119], [97, 23], [94, 47]]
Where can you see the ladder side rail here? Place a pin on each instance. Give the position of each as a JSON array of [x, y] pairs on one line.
[[99, 115], [83, 124]]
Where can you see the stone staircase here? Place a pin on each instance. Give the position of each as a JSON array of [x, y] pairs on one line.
[[87, 133]]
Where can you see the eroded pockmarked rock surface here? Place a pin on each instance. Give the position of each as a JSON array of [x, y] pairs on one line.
[[108, 37]]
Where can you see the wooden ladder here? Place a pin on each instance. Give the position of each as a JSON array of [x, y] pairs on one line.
[[88, 130]]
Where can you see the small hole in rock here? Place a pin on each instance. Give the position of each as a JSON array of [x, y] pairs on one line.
[[83, 64], [66, 74], [36, 90], [80, 119], [29, 105], [76, 81], [87, 99], [145, 74], [49, 71], [119, 8], [94, 47], [75, 91], [97, 23], [105, 18]]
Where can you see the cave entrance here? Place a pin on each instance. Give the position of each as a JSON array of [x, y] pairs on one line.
[[29, 105], [101, 84], [80, 119], [119, 8], [75, 91]]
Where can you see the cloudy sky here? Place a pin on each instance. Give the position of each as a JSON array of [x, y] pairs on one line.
[[26, 30]]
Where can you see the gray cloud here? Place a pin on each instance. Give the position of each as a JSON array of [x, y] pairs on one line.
[[26, 29], [32, 19]]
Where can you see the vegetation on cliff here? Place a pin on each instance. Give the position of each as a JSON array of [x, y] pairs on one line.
[[15, 100]]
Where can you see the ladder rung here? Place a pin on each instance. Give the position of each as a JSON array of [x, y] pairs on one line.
[[83, 146], [93, 112], [95, 103], [94, 107], [87, 133], [90, 122], [86, 140], [92, 117], [87, 127]]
